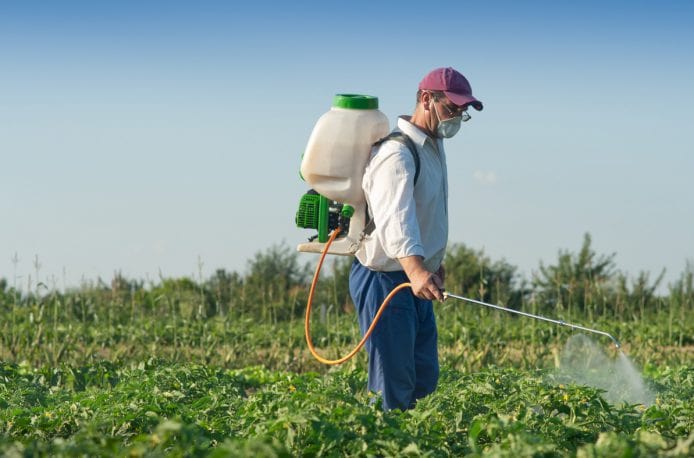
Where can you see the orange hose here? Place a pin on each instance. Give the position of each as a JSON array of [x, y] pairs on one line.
[[307, 323]]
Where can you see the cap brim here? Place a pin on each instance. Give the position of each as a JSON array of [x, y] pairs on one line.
[[464, 99]]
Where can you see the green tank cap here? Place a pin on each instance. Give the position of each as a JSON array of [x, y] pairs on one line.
[[355, 101]]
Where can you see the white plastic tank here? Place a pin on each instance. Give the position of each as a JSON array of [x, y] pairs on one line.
[[339, 147]]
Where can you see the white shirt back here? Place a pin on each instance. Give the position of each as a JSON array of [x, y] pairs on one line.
[[409, 220]]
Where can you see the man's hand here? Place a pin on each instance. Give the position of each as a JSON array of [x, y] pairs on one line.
[[425, 284]]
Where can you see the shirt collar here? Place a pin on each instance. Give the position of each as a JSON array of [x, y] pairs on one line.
[[415, 133]]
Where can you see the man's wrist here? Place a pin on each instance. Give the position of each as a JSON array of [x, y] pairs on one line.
[[413, 266]]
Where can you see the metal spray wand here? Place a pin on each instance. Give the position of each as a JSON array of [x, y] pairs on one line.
[[537, 317]]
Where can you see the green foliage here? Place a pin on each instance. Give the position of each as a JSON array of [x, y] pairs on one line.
[[156, 408], [219, 366]]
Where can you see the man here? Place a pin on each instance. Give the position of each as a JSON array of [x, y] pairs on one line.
[[409, 241]]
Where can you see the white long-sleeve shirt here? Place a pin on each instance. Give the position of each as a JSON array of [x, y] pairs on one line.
[[410, 220]]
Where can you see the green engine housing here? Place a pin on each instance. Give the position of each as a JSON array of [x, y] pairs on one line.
[[325, 215]]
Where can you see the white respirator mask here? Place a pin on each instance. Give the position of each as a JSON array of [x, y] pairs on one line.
[[448, 127]]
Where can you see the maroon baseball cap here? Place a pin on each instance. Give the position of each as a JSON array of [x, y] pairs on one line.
[[453, 84]]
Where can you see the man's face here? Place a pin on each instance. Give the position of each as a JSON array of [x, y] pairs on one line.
[[445, 116]]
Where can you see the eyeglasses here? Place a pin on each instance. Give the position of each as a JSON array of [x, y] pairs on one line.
[[457, 111]]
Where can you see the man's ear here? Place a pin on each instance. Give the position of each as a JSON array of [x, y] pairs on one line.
[[426, 101]]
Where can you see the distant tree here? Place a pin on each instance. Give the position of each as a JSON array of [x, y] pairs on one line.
[[3, 292], [273, 275], [121, 283], [183, 296], [472, 274], [638, 294], [278, 264], [682, 304], [575, 279], [224, 288]]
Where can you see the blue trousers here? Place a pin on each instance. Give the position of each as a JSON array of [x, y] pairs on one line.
[[403, 354]]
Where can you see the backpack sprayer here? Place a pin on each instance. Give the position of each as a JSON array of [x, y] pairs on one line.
[[333, 164]]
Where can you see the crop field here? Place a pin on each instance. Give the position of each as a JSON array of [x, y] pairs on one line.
[[219, 367]]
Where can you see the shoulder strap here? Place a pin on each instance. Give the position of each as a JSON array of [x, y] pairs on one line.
[[404, 139]]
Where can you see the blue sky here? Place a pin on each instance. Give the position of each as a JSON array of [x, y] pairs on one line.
[[147, 137]]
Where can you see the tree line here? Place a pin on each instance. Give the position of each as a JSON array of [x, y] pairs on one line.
[[275, 287]]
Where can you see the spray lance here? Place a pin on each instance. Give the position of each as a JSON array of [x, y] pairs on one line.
[[537, 317]]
